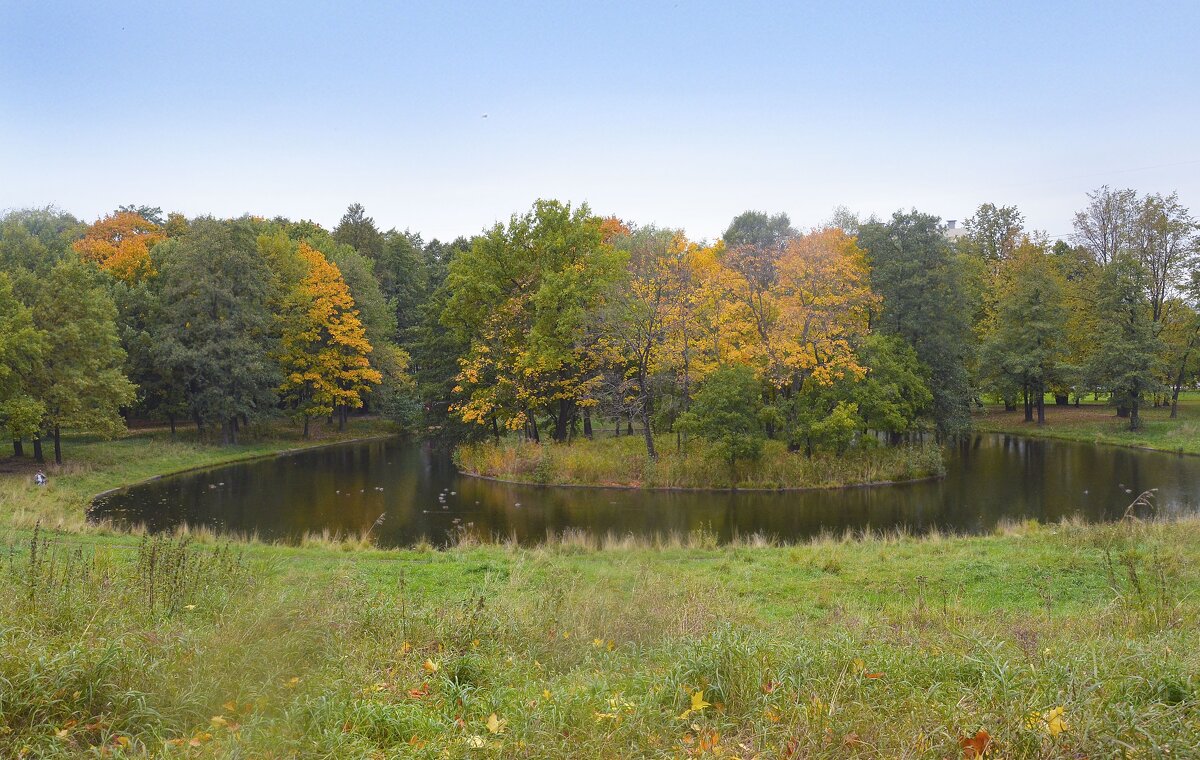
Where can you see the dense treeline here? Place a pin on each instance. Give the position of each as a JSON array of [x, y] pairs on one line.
[[561, 321]]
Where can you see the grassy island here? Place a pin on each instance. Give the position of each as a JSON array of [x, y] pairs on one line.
[[622, 461]]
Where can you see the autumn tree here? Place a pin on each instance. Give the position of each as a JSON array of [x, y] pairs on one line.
[[638, 313], [120, 243], [523, 295], [324, 348]]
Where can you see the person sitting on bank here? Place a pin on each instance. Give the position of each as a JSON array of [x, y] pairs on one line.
[[40, 478]]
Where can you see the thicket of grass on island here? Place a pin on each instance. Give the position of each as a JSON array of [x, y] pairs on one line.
[[622, 461], [1065, 641]]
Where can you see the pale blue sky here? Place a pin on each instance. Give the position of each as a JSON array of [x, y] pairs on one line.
[[678, 113]]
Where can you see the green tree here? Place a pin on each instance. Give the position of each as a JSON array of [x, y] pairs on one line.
[[358, 231], [925, 302], [36, 239], [994, 233], [525, 295], [80, 381], [726, 413], [402, 276], [1126, 348], [216, 332], [893, 397], [22, 345], [1025, 343]]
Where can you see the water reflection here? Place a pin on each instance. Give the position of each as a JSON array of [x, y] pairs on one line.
[[344, 489]]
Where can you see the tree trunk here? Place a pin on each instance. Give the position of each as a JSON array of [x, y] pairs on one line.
[[57, 446], [1028, 404], [37, 450], [496, 430], [1062, 399], [171, 420], [18, 447], [1135, 421], [563, 419], [1179, 378], [1041, 406], [306, 426], [587, 424], [629, 426]]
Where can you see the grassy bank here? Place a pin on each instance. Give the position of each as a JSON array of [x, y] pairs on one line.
[[886, 647], [91, 466], [623, 462], [1098, 423]]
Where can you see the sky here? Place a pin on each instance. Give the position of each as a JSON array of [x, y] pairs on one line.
[[446, 117]]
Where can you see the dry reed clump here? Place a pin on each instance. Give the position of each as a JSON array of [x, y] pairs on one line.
[[622, 461]]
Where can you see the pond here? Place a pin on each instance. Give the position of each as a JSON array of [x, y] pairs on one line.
[[346, 488]]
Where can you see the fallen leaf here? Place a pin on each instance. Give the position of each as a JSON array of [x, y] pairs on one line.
[[496, 725], [977, 745], [430, 666]]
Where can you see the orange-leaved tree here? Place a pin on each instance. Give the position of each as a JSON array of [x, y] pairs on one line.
[[324, 347], [120, 243]]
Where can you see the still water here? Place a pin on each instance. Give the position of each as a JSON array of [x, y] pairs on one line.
[[345, 488]]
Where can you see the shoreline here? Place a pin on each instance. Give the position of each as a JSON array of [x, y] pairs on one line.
[[236, 460], [709, 489], [1100, 439]]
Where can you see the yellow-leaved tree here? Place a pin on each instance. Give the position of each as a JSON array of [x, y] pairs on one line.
[[120, 243], [324, 352]]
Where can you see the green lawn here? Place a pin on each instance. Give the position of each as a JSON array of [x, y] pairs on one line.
[[1098, 423], [890, 647]]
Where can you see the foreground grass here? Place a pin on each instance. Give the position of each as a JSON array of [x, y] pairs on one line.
[[885, 647], [92, 466], [623, 462], [1098, 423]]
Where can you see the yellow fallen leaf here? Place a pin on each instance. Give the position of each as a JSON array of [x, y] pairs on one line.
[[430, 666], [859, 665], [545, 693], [476, 742], [405, 648], [292, 682], [496, 725], [698, 704], [218, 721]]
